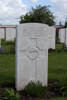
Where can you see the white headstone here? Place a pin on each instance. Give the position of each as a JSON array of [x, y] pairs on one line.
[[62, 35], [52, 38], [10, 34], [1, 33], [31, 54]]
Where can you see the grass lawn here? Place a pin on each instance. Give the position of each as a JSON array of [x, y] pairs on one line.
[[58, 99], [57, 69], [7, 63], [7, 68]]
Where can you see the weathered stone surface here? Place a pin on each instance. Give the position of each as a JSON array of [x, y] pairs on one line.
[[62, 35], [31, 54], [10, 34], [2, 33], [52, 38]]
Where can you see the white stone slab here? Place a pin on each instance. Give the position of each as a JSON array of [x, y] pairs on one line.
[[10, 34], [31, 54], [52, 38], [62, 35], [1, 33]]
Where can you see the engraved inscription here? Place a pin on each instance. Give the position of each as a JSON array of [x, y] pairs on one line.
[[34, 33]]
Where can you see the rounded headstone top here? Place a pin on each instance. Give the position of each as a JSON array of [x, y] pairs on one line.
[[33, 24]]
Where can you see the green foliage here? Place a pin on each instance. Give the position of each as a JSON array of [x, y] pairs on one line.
[[10, 95], [63, 87], [7, 42], [8, 46], [59, 98], [57, 40], [12, 49], [40, 14], [35, 89]]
